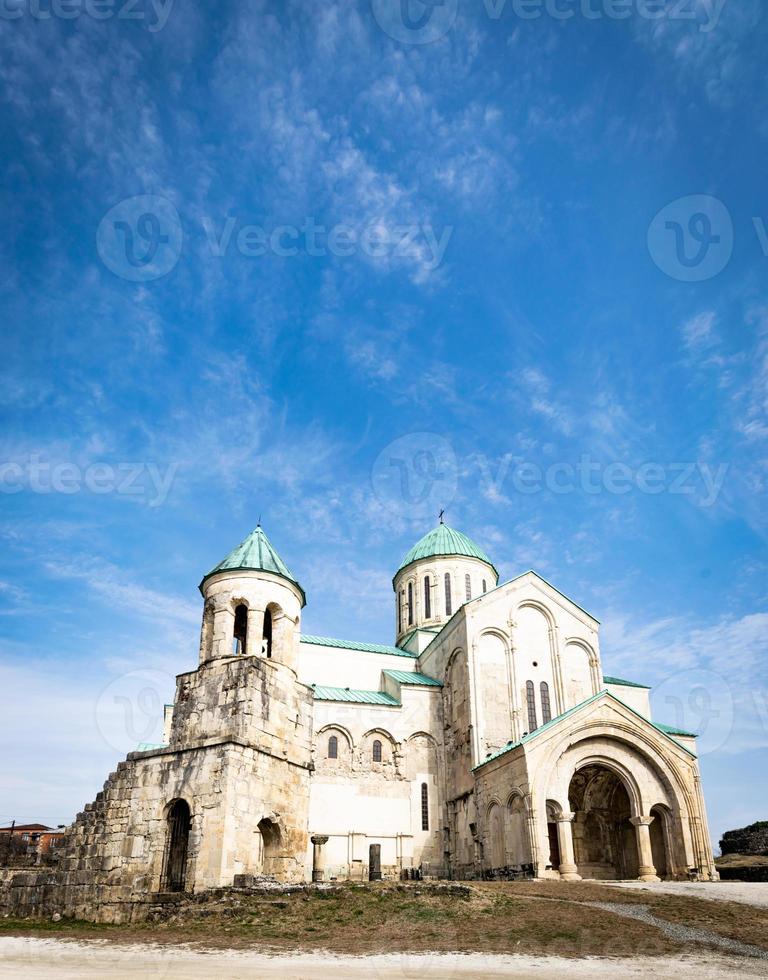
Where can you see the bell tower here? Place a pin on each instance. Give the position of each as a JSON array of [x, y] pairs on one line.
[[252, 605], [244, 715]]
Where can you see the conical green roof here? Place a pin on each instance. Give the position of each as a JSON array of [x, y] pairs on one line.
[[444, 540], [255, 554]]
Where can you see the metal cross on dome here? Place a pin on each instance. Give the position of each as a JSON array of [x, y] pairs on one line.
[[440, 517]]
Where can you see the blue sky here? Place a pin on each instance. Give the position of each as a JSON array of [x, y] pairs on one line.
[[538, 300]]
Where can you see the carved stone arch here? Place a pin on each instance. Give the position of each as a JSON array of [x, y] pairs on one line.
[[422, 734], [494, 851], [518, 831], [630, 737], [516, 795], [624, 774], [387, 746], [323, 749], [331, 728], [676, 787], [593, 665], [539, 607], [503, 635], [494, 801]]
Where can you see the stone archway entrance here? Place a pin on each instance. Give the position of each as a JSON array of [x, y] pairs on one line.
[[268, 843], [604, 837], [176, 846]]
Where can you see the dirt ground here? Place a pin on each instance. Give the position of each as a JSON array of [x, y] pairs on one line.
[[51, 959], [566, 921], [746, 892]]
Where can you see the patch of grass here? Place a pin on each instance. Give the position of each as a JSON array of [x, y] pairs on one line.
[[495, 917]]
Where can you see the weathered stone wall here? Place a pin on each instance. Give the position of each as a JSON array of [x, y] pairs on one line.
[[746, 840], [251, 699]]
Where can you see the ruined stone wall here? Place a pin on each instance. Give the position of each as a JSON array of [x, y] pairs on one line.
[[251, 699], [746, 840]]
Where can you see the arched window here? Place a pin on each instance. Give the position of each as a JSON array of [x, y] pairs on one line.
[[448, 606], [239, 646], [485, 589], [424, 807], [546, 710], [427, 599], [410, 603], [399, 601], [468, 586], [376, 750], [266, 646], [333, 747], [530, 693]]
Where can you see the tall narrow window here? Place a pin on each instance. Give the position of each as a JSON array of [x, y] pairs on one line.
[[424, 807], [399, 601], [530, 693], [333, 747], [448, 606], [485, 589], [410, 603], [468, 586], [376, 750], [241, 630], [266, 646], [546, 710], [427, 599]]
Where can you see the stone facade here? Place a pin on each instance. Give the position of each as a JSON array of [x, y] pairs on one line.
[[486, 743]]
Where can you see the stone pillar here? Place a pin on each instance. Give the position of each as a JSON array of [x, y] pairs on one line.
[[568, 869], [255, 633], [642, 830], [318, 856], [223, 632]]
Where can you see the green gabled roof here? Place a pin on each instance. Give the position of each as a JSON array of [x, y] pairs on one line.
[[542, 728], [672, 730], [354, 696], [327, 641], [256, 554], [411, 677], [444, 541], [664, 729], [623, 683]]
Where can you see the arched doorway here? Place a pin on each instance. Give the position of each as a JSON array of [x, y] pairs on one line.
[[604, 840], [554, 843], [176, 846], [659, 831], [269, 845]]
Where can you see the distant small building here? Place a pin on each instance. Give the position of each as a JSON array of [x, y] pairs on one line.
[[38, 837]]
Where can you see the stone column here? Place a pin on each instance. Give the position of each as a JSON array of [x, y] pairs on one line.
[[318, 856], [568, 869], [647, 872], [223, 632], [255, 633]]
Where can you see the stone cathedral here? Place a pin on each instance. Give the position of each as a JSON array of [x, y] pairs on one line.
[[486, 741]]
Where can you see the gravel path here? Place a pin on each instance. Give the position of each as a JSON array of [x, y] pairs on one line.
[[52, 959], [748, 892], [683, 934]]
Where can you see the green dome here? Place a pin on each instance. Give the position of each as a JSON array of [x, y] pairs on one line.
[[255, 554], [444, 541]]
